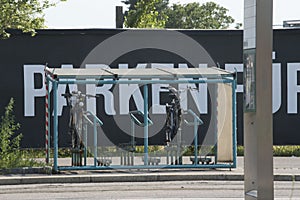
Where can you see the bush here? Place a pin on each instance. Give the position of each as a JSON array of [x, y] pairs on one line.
[[290, 150], [286, 150], [10, 154]]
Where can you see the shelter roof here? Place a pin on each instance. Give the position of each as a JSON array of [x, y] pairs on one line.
[[137, 73]]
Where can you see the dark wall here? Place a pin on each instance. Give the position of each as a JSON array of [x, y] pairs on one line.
[[58, 47]]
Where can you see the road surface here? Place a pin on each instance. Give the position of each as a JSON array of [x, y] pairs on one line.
[[142, 190]]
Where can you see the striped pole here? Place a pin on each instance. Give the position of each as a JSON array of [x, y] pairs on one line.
[[47, 119]]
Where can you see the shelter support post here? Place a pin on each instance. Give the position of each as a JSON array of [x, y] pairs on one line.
[[85, 142], [196, 140], [95, 141], [132, 148], [234, 129], [145, 124], [55, 126]]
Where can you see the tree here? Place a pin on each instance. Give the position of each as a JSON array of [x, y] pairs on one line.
[[146, 13], [157, 13], [193, 15], [26, 15], [131, 4]]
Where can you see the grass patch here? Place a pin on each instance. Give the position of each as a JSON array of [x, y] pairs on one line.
[[286, 150], [278, 150], [290, 150]]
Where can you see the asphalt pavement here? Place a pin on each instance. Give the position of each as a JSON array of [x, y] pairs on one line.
[[285, 169]]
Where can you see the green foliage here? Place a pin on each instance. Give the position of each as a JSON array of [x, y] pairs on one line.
[[131, 4], [26, 15], [238, 25], [286, 150], [240, 151], [34, 153], [139, 149], [10, 154], [202, 150], [195, 16], [9, 144], [157, 14], [290, 150], [146, 14], [40, 152]]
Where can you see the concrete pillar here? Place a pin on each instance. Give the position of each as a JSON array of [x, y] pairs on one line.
[[258, 119]]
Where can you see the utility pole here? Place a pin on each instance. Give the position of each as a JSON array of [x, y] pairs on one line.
[[258, 118]]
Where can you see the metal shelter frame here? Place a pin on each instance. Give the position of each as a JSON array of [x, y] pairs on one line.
[[145, 77]]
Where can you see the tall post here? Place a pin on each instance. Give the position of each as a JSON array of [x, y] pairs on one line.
[[55, 126], [258, 119], [145, 124], [47, 123]]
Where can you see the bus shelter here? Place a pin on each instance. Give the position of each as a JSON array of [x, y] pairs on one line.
[[223, 97]]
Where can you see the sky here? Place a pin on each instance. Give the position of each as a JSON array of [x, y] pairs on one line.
[[101, 13]]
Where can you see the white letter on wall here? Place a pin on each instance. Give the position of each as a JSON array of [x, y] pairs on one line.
[[276, 81], [103, 90], [128, 90], [156, 89], [29, 89], [293, 88]]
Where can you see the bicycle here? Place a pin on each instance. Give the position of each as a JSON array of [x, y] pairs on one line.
[[174, 112], [75, 100], [174, 118]]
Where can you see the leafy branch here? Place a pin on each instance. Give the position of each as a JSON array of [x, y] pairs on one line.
[[26, 15]]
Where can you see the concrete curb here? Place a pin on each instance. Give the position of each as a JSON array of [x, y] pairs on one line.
[[27, 170], [130, 178]]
